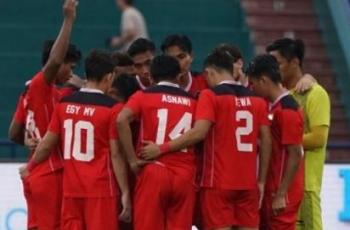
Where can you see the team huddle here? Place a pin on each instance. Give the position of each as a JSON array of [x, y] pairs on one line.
[[144, 143]]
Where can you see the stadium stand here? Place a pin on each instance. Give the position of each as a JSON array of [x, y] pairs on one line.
[[25, 26], [272, 19]]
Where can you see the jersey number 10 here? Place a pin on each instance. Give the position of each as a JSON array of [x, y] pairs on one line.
[[77, 153]]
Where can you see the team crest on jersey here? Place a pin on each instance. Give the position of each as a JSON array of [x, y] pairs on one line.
[[270, 117]]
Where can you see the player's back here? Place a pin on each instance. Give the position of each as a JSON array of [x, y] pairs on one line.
[[165, 113], [230, 160], [85, 121]]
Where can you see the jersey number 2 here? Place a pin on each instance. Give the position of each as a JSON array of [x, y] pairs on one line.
[[244, 131], [77, 153]]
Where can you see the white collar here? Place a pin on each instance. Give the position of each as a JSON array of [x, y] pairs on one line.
[[166, 83], [90, 90], [278, 99], [142, 86], [231, 82], [190, 80]]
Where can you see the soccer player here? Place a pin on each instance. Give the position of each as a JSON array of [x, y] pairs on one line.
[[83, 125], [180, 47], [45, 182], [142, 53], [316, 107], [230, 120], [164, 193], [123, 64], [285, 179]]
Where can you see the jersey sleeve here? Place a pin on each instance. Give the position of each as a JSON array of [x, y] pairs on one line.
[[20, 114], [39, 88], [134, 103], [113, 132], [206, 106], [54, 125], [318, 107], [291, 124]]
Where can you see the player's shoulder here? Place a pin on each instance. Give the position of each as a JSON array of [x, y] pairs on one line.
[[318, 91], [164, 89], [86, 98], [288, 102], [231, 89]]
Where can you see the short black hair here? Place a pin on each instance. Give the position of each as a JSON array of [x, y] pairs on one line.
[[289, 48], [164, 67], [73, 53], [219, 60], [264, 64], [122, 59], [181, 41], [126, 85], [129, 2], [141, 45], [230, 50], [98, 64]]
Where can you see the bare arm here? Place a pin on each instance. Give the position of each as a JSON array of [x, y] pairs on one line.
[[60, 46], [44, 148], [16, 132]]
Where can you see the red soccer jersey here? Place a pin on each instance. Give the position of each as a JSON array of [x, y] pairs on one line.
[[66, 91], [165, 112], [196, 85], [42, 98], [21, 112], [287, 129], [230, 148], [85, 122]]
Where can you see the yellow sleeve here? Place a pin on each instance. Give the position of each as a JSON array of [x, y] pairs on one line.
[[318, 108], [316, 138]]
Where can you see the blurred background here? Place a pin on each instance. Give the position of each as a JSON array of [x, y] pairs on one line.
[[324, 25]]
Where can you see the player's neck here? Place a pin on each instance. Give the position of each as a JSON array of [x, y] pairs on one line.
[[184, 80], [94, 85], [224, 77], [292, 82], [275, 92]]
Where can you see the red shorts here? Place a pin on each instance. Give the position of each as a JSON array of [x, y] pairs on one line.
[[90, 213], [285, 220], [44, 198], [226, 208], [163, 200], [31, 220]]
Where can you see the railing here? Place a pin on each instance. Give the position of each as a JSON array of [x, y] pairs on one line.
[[13, 151]]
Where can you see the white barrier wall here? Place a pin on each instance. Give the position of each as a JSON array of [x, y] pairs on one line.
[[335, 195]]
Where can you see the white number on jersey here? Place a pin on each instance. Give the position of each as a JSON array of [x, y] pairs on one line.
[[181, 127], [244, 131], [31, 128], [77, 153]]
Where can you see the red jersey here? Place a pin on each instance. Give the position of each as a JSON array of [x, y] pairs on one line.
[[196, 84], [230, 148], [42, 98], [287, 129], [21, 112], [165, 112], [85, 122], [67, 90]]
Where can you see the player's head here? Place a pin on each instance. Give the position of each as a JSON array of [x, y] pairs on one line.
[[179, 47], [263, 73], [290, 56], [165, 68], [99, 69], [122, 4], [142, 52], [123, 86], [123, 63], [237, 57], [216, 65], [73, 56]]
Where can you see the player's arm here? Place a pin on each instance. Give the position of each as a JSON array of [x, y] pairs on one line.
[[61, 44], [120, 172], [295, 153], [41, 153], [318, 114], [193, 136], [16, 132], [264, 156], [305, 83]]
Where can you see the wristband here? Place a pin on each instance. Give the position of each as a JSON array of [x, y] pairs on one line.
[[164, 148]]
